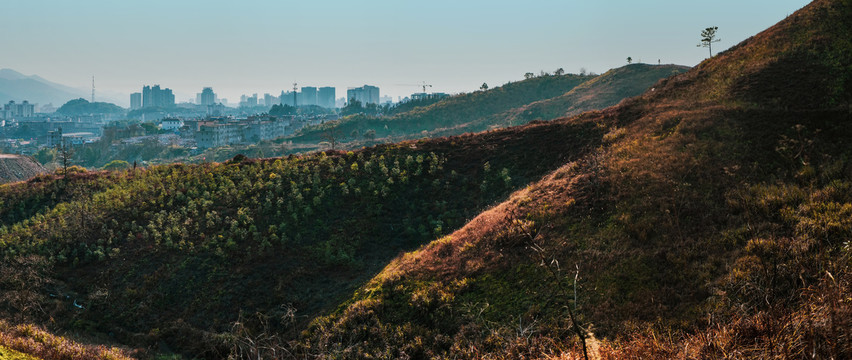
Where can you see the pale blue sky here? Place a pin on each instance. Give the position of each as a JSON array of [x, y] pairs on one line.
[[264, 46]]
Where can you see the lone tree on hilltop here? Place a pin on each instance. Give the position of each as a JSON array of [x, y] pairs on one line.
[[483, 87], [629, 60], [559, 72], [708, 37]]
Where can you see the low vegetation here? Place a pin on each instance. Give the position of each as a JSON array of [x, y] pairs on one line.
[[707, 218], [28, 342]]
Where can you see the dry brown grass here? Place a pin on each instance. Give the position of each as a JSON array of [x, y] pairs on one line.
[[32, 340]]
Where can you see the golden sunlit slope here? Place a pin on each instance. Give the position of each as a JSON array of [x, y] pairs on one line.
[[713, 221]]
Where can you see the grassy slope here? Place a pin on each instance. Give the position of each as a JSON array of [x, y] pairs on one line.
[[721, 198], [28, 342], [510, 105], [181, 252], [453, 111], [598, 93], [9, 354]]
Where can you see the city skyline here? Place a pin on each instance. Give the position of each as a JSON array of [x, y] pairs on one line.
[[265, 47]]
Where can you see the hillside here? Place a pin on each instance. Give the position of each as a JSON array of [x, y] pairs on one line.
[[84, 107], [211, 244], [509, 105], [598, 93], [714, 222], [455, 110], [604, 91], [17, 168], [707, 218]]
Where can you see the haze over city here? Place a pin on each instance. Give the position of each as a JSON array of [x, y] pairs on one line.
[[243, 48]]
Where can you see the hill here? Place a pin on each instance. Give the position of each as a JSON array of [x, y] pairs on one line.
[[15, 168], [190, 250], [707, 218], [601, 92], [510, 105], [449, 112], [713, 222], [597, 93], [84, 107]]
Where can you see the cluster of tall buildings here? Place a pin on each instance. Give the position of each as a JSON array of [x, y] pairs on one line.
[[152, 96], [13, 110], [365, 95], [308, 95]]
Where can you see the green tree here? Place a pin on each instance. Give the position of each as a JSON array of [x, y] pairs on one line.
[[559, 72], [352, 107], [117, 165], [45, 156], [529, 75], [708, 37], [483, 87], [629, 60]]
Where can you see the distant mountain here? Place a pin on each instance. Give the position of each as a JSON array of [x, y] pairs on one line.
[[35, 89]]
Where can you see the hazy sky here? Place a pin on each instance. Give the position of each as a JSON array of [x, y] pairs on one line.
[[244, 47]]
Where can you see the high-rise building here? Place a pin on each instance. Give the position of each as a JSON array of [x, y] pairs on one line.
[[308, 96], [208, 97], [135, 101], [366, 94], [269, 100], [287, 98], [24, 109], [248, 101], [325, 97], [153, 96]]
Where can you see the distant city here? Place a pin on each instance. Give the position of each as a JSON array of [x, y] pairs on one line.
[[207, 122], [325, 97]]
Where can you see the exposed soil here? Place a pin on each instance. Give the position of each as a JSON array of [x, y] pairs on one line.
[[18, 168]]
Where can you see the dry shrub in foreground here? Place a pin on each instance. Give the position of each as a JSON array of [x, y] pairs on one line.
[[34, 341]]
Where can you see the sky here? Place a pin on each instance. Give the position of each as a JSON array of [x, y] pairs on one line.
[[245, 47]]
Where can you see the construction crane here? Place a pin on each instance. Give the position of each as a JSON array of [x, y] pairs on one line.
[[423, 85]]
